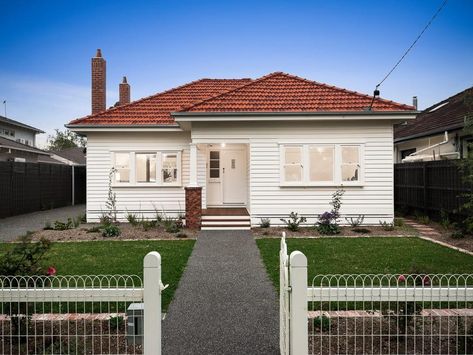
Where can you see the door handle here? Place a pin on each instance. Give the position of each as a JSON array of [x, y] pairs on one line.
[[223, 170]]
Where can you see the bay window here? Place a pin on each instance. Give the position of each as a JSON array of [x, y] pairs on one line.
[[321, 164], [155, 168]]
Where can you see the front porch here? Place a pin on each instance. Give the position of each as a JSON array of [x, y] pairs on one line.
[[218, 190]]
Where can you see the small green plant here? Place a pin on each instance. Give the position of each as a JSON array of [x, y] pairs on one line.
[[361, 230], [421, 218], [327, 223], [147, 224], [111, 202], [47, 226], [132, 219], [445, 219], [77, 221], [265, 223], [83, 218], [105, 219], [399, 222], [387, 226], [355, 222], [322, 322], [61, 226], [293, 222], [116, 322], [457, 234], [111, 230], [172, 225]]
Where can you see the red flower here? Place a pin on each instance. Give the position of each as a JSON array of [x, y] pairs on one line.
[[51, 271], [401, 278]]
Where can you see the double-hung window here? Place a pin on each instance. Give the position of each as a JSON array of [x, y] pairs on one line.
[[321, 164], [147, 168]]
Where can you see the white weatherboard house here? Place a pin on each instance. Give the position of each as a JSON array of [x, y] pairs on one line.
[[233, 151]]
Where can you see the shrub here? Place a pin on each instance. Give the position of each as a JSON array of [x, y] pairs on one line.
[[172, 225], [293, 222], [399, 222], [77, 221], [265, 223], [95, 229], [147, 224], [132, 219], [111, 230], [445, 219], [61, 226], [421, 218], [116, 322], [105, 219], [386, 225], [457, 234], [355, 222], [25, 257], [361, 230], [322, 322], [328, 221]]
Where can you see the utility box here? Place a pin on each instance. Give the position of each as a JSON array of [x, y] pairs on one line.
[[135, 324]]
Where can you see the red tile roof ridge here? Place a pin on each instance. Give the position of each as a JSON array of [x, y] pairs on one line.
[[111, 109], [344, 90], [184, 109]]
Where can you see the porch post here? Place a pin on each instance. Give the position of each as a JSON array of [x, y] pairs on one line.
[[193, 193], [193, 165]]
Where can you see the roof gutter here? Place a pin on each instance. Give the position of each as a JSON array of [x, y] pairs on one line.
[[25, 149], [123, 128], [281, 116]]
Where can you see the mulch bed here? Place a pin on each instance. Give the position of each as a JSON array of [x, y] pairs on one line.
[[128, 232], [304, 232]]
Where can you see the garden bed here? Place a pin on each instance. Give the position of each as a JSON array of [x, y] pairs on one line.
[[87, 232], [345, 231]]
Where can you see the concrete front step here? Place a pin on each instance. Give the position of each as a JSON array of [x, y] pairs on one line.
[[224, 228], [216, 222], [225, 218]]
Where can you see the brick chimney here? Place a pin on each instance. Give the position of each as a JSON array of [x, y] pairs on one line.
[[99, 99], [124, 92]]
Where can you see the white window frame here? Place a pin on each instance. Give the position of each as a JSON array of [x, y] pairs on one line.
[[159, 160], [337, 162]]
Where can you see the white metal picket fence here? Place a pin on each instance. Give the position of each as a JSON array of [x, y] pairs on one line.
[[98, 314], [373, 314]]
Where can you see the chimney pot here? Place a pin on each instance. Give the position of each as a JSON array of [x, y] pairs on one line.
[[414, 102], [124, 92], [99, 99]]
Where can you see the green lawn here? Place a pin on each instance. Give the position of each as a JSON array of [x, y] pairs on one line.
[[120, 257], [381, 255]]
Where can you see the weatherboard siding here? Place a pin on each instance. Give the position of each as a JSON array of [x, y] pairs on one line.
[[270, 200], [142, 200]]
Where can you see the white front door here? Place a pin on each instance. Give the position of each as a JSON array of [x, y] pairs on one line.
[[226, 176], [234, 177]]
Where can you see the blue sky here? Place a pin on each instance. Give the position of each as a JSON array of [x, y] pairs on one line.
[[46, 48]]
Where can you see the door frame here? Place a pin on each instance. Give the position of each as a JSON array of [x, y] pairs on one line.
[[219, 202]]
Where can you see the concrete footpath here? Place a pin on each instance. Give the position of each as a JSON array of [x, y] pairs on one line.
[[225, 303], [12, 227]]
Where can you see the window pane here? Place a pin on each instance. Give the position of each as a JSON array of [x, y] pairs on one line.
[[350, 155], [122, 165], [293, 155], [321, 163], [214, 164], [214, 173], [145, 167], [350, 172], [169, 168], [215, 154], [292, 173]]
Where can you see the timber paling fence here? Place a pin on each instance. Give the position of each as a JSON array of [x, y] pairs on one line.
[[429, 187], [30, 187]]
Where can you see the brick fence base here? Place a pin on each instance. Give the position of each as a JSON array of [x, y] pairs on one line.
[[193, 207]]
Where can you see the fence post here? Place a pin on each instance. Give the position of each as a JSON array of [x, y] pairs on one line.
[[298, 333], [152, 303]]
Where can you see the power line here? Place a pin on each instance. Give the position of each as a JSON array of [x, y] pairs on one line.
[[376, 91]]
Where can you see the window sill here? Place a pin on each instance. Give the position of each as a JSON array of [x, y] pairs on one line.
[[330, 184], [145, 185]]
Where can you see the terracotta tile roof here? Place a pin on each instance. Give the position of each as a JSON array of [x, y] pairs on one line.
[[276, 92], [156, 109], [444, 115], [281, 92]]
